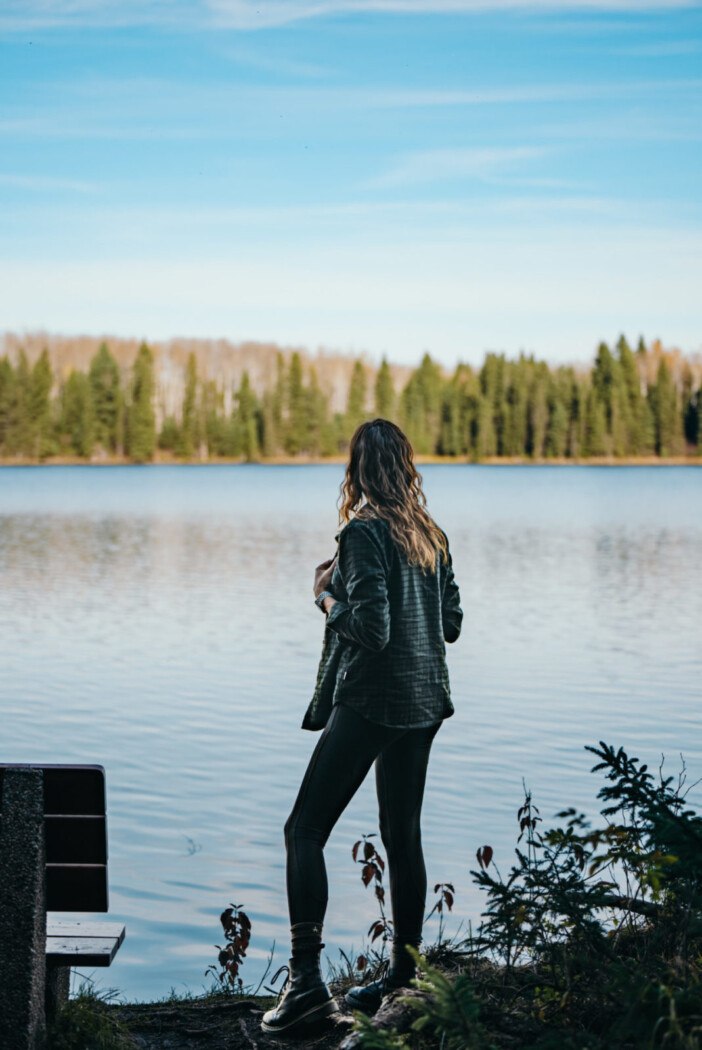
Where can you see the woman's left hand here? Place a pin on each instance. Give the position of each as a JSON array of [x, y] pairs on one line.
[[323, 575]]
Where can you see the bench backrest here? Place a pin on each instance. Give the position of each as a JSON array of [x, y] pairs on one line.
[[75, 834]]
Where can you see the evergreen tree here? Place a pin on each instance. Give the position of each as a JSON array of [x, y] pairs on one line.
[[20, 437], [248, 412], [420, 406], [485, 444], [268, 426], [7, 402], [77, 418], [316, 414], [169, 435], [141, 421], [356, 404], [190, 434], [556, 441], [663, 400], [577, 396], [537, 411], [384, 392], [452, 434], [689, 406], [213, 440], [297, 429], [277, 437], [594, 440], [514, 428], [106, 396], [40, 407], [635, 442]]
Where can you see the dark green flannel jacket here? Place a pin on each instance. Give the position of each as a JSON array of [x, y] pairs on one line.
[[383, 652]]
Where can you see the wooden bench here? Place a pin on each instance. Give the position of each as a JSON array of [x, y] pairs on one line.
[[53, 857]]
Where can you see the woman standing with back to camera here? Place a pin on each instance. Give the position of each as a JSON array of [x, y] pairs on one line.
[[391, 601]]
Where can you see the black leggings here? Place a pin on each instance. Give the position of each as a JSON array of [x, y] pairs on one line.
[[340, 761]]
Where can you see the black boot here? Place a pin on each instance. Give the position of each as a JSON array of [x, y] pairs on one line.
[[306, 998], [400, 971]]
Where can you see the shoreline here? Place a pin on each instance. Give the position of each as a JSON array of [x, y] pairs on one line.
[[314, 461]]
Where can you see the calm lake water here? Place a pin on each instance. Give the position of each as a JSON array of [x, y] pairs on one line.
[[159, 620]]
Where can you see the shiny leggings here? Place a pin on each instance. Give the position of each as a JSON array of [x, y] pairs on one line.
[[344, 753]]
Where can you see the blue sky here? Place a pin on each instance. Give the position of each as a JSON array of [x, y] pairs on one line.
[[391, 176]]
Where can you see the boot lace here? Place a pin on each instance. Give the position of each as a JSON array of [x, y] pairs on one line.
[[285, 983]]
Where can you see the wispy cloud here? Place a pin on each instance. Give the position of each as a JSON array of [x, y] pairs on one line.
[[276, 64], [659, 48], [42, 183], [261, 14], [22, 15], [445, 164]]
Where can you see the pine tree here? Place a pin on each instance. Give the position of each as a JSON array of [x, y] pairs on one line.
[[190, 434], [556, 441], [169, 435], [663, 399], [631, 382], [297, 429], [689, 406], [420, 406], [20, 437], [514, 434], [213, 437], [385, 398], [485, 438], [248, 412], [537, 411], [106, 395], [356, 403], [278, 403], [40, 406], [451, 430], [141, 421], [269, 430], [594, 441], [316, 414], [77, 418], [7, 400]]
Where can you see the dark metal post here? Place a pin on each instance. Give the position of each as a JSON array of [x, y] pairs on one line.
[[22, 911]]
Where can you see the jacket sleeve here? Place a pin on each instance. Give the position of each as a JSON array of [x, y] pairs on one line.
[[365, 617], [451, 612]]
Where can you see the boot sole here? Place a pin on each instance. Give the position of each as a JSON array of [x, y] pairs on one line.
[[316, 1013]]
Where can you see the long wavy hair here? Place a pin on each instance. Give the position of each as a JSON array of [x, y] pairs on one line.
[[381, 479]]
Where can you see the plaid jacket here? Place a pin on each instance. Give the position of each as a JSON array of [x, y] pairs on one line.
[[383, 652]]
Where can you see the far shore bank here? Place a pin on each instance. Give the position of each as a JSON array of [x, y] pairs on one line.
[[307, 461]]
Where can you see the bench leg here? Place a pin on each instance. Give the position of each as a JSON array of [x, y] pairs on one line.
[[58, 986], [22, 911]]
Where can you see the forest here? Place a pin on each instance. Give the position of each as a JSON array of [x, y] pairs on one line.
[[641, 402]]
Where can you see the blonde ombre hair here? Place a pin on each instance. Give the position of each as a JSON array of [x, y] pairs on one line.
[[381, 470]]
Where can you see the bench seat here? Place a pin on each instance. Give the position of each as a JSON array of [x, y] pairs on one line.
[[82, 943]]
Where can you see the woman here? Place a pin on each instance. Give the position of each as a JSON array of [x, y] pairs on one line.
[[391, 601]]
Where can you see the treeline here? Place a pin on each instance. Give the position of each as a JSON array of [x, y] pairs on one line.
[[630, 403]]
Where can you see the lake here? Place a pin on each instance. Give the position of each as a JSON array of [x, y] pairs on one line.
[[159, 621]]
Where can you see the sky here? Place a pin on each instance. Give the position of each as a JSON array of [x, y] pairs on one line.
[[387, 176]]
